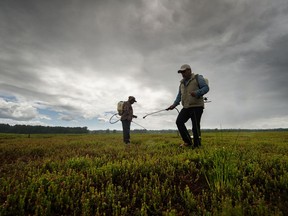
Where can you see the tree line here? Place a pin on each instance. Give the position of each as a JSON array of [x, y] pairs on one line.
[[30, 129]]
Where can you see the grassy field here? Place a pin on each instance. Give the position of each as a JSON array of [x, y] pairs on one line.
[[233, 173]]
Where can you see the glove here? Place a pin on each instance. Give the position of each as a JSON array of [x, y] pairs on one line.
[[134, 116]]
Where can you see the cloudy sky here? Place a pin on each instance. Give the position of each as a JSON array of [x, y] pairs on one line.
[[68, 62]]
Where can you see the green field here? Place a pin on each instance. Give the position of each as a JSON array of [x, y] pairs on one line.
[[233, 173]]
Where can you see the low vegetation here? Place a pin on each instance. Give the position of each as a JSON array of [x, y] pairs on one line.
[[233, 173]]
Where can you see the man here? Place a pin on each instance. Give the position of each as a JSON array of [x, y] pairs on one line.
[[127, 117], [191, 90]]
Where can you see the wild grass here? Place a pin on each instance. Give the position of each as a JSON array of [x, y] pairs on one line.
[[233, 173]]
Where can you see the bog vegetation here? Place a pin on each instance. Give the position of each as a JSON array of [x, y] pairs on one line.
[[233, 173]]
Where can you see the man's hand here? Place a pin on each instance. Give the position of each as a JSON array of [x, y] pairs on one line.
[[134, 116], [193, 94], [171, 107]]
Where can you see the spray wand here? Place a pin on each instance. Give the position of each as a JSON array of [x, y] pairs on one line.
[[158, 112], [154, 113]]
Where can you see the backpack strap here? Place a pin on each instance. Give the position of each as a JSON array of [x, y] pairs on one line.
[[196, 77]]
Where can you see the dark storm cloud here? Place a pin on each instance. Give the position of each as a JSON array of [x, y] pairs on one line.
[[274, 59], [67, 53], [78, 33], [272, 79]]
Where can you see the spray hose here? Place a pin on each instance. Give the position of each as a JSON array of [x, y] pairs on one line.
[[111, 121]]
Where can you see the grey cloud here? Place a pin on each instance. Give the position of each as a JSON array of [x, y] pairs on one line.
[[275, 57], [17, 111], [274, 63], [18, 71], [240, 46]]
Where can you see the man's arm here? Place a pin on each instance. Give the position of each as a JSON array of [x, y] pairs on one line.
[[204, 88]]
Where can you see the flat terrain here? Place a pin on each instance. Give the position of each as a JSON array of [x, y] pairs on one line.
[[233, 173]]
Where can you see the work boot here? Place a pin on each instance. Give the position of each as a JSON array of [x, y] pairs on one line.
[[197, 142], [183, 145]]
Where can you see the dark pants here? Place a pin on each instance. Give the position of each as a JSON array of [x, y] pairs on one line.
[[126, 131], [194, 114]]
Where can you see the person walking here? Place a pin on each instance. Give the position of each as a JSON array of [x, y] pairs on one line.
[[191, 90], [126, 118]]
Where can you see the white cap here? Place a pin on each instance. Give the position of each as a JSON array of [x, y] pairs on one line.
[[184, 67]]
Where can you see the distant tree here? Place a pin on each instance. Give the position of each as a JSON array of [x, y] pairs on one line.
[[29, 129]]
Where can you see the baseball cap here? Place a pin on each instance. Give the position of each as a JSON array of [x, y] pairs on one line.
[[184, 67], [132, 98]]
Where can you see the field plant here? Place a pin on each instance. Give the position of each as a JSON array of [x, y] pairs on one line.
[[233, 173]]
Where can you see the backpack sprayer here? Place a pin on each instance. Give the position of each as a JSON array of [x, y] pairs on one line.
[[119, 113]]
